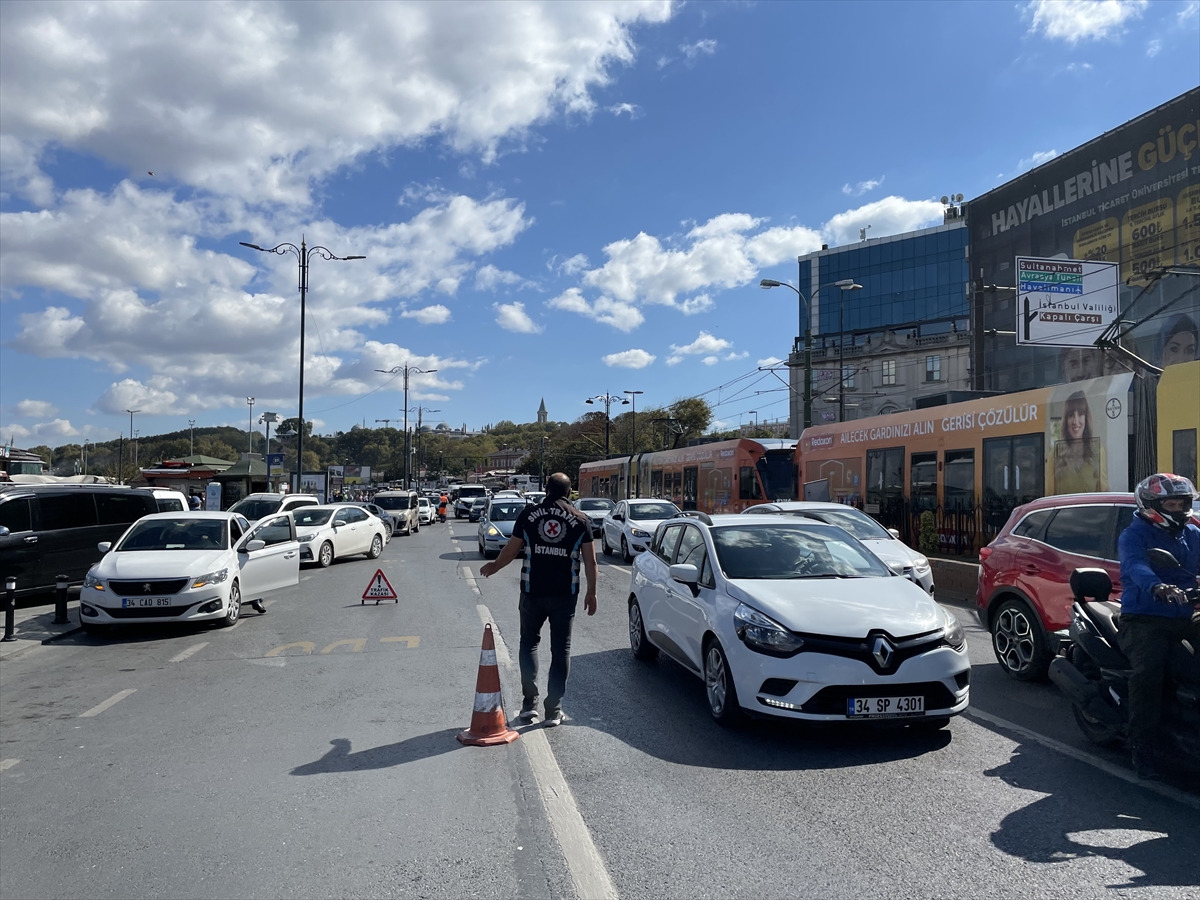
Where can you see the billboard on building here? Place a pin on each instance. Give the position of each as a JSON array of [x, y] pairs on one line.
[[1064, 302], [1130, 198]]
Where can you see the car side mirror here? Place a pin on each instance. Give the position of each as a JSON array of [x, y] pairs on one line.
[[103, 546], [894, 567], [252, 546], [4, 532], [1164, 558], [894, 532], [617, 517], [685, 573]]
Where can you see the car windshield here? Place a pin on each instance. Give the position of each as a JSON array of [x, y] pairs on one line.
[[645, 511], [176, 534], [257, 507], [595, 504], [787, 551], [505, 512], [392, 502], [479, 501], [310, 517], [857, 523]]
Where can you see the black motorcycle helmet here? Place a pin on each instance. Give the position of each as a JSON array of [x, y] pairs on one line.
[[1164, 486]]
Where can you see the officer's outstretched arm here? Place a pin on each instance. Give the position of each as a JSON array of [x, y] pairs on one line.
[[508, 554]]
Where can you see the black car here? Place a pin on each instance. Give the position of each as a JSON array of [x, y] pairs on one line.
[[47, 530]]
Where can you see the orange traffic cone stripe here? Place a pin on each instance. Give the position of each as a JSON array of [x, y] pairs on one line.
[[488, 724]]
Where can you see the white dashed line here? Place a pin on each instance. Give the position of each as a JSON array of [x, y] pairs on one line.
[[195, 648], [110, 702], [6, 764]]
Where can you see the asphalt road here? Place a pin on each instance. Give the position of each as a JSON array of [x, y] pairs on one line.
[[311, 752]]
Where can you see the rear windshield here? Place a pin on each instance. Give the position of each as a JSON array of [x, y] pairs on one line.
[[392, 502], [857, 523], [477, 491], [505, 512], [787, 551], [310, 517], [256, 508], [652, 510], [176, 534], [595, 504], [169, 504]]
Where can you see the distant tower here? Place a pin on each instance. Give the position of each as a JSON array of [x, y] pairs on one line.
[[542, 417]]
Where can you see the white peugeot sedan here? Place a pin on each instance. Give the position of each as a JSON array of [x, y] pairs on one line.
[[879, 540], [335, 530], [193, 567], [631, 524], [793, 618]]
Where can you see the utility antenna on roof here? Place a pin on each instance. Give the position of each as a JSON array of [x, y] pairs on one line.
[[862, 233]]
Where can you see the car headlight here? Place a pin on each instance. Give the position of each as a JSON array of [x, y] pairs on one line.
[[305, 538], [91, 581], [492, 531], [211, 578], [954, 635], [637, 532], [920, 563], [761, 633]]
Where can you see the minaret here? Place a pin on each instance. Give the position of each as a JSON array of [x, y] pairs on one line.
[[542, 417]]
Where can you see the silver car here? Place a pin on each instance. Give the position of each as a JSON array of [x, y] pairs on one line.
[[879, 540], [595, 508], [496, 524]]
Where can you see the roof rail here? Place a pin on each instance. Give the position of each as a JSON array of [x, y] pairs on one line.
[[693, 514]]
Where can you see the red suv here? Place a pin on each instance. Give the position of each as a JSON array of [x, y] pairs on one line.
[[1024, 595]]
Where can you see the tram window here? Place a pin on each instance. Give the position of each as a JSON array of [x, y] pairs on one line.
[[656, 483], [959, 480], [1013, 473], [923, 481], [1183, 453], [748, 484]]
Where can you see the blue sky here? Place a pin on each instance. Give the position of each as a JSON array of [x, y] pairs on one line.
[[554, 200]]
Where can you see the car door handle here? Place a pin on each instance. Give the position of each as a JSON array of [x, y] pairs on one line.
[[289, 555], [1030, 570], [32, 539]]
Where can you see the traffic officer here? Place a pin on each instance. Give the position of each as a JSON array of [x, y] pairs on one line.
[[556, 537]]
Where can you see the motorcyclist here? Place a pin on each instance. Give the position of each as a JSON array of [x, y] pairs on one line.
[[1154, 611], [443, 501]]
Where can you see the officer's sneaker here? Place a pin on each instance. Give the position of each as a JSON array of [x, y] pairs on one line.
[[1143, 764], [258, 606], [554, 718], [528, 713]]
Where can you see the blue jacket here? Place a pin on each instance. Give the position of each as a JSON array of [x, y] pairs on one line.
[[1138, 577]]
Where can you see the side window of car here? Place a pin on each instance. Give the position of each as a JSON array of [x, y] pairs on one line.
[[670, 540], [276, 531], [339, 518], [691, 540], [1082, 530], [235, 531], [706, 573], [122, 509], [15, 515], [68, 509], [1031, 525], [1124, 520]]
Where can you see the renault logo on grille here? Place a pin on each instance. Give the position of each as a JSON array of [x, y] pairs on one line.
[[883, 651], [146, 588]]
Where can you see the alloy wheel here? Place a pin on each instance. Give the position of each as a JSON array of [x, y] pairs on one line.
[[714, 679], [635, 627], [1014, 639]]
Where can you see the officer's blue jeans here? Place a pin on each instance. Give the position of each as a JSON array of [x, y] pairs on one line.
[[535, 611]]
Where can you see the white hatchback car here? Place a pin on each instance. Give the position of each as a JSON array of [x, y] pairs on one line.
[[188, 567], [336, 530], [630, 525], [879, 540], [798, 619], [424, 511]]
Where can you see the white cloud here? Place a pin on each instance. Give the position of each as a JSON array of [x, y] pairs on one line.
[[622, 316], [629, 359], [1153, 47], [711, 360], [698, 304], [706, 47], [891, 215], [489, 278], [189, 95], [132, 394], [36, 409], [1078, 67], [1036, 160], [1076, 20], [428, 315], [631, 109], [730, 357], [863, 187], [42, 432], [574, 265], [1188, 12], [769, 361], [704, 345], [512, 317]]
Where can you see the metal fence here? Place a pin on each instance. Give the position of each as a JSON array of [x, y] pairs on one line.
[[961, 530]]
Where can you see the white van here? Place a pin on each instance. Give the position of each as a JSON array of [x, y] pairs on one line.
[[404, 506], [170, 500], [468, 494]]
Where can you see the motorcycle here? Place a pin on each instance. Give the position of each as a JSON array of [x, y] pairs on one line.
[[1093, 672]]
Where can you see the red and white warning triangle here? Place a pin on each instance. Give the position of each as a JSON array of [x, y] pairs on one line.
[[379, 588]]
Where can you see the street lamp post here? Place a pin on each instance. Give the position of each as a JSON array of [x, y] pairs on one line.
[[407, 370], [303, 253], [633, 475], [419, 410], [136, 435], [250, 400], [609, 399], [268, 418], [121, 465], [846, 284], [191, 437]]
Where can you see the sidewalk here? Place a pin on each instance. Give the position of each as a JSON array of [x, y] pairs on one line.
[[35, 626]]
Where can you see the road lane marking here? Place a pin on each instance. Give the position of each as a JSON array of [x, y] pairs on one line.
[[485, 616], [306, 646], [413, 641], [1103, 765], [190, 651], [6, 764], [110, 702], [355, 644], [471, 582]]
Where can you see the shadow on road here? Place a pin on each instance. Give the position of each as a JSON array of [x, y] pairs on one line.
[[1111, 819], [341, 759], [672, 723]]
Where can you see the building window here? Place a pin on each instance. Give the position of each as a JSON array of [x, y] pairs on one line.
[[933, 368], [848, 377], [889, 371]]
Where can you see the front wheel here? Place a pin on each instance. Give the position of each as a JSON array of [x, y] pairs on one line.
[[608, 551], [625, 554], [719, 688], [235, 607], [376, 547], [1101, 733], [1018, 643], [325, 557], [638, 642]]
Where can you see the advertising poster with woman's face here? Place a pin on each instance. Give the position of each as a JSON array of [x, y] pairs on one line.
[[1086, 432]]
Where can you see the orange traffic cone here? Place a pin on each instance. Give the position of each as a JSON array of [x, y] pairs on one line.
[[488, 725]]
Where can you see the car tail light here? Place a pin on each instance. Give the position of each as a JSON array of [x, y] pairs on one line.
[[984, 553]]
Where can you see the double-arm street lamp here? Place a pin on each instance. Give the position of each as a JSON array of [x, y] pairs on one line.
[[407, 370], [846, 284], [121, 466], [303, 253], [420, 410], [608, 399]]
